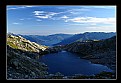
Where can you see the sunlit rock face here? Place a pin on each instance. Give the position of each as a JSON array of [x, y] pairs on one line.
[[19, 42]]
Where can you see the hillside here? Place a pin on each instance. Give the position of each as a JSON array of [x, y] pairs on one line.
[[101, 52], [21, 58], [20, 66], [87, 36], [19, 42]]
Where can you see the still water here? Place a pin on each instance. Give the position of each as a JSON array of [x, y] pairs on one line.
[[69, 64]]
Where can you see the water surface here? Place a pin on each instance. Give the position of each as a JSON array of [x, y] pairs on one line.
[[69, 64]]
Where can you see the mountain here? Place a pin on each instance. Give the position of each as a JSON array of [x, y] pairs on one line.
[[31, 49], [21, 58], [22, 54], [100, 52], [19, 42], [47, 40], [87, 36]]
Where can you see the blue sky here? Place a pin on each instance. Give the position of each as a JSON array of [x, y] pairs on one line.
[[54, 19]]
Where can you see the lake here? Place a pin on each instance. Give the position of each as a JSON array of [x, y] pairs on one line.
[[69, 64]]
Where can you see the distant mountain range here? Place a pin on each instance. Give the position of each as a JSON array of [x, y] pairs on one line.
[[87, 36], [47, 40], [63, 39]]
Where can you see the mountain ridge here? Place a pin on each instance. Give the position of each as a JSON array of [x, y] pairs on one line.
[[87, 36], [48, 40]]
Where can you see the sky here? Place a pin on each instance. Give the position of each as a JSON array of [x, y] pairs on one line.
[[55, 19]]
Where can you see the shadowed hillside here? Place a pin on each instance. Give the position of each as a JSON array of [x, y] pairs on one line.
[[20, 66], [101, 52]]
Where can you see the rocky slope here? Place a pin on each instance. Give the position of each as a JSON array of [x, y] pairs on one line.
[[101, 52], [21, 58], [19, 42], [20, 66]]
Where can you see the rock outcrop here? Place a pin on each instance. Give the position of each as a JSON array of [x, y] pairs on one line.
[[54, 49], [20, 66], [19, 42]]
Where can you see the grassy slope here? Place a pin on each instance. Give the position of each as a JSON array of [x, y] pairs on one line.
[[18, 42]]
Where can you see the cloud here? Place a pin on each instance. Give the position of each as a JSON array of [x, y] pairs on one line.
[[102, 28], [11, 8], [29, 6], [15, 23], [18, 7], [38, 20], [38, 12], [44, 14], [104, 7], [92, 20], [64, 17], [21, 19], [72, 10], [78, 10], [61, 15], [14, 8], [52, 13]]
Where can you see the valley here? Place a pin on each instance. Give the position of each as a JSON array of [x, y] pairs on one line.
[[23, 53]]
